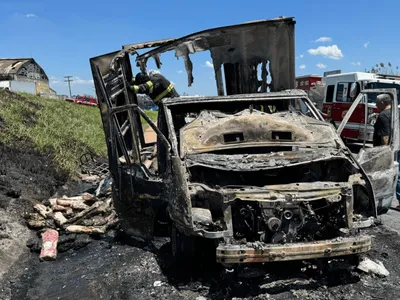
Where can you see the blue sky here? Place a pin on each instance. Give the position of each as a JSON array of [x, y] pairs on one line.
[[62, 35]]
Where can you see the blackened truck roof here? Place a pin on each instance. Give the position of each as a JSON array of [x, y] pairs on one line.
[[287, 94]]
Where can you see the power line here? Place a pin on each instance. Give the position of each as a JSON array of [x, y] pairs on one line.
[[69, 83]]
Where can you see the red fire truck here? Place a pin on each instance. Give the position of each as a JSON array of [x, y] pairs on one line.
[[83, 100], [342, 89]]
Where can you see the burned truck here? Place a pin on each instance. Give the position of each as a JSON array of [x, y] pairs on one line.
[[255, 173]]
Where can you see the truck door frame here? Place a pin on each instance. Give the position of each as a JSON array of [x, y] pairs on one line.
[[379, 163]]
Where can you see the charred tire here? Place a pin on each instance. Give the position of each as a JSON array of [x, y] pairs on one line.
[[192, 252], [183, 248]]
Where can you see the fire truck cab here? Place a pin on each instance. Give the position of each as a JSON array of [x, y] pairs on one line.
[[340, 92]]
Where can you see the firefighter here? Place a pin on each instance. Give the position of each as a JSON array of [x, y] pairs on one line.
[[155, 85]]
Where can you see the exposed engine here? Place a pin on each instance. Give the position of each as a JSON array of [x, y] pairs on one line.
[[286, 222], [273, 221]]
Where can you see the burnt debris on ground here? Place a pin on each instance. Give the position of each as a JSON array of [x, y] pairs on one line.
[[127, 269], [65, 222]]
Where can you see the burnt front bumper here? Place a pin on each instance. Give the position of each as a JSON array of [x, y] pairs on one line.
[[259, 252]]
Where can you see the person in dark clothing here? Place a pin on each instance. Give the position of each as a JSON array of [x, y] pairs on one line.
[[155, 85], [382, 126]]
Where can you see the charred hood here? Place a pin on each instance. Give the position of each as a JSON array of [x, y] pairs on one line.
[[216, 132]]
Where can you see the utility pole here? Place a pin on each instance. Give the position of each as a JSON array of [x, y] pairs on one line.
[[69, 83]]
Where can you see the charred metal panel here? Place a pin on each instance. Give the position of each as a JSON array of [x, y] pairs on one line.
[[179, 199], [293, 251], [136, 192], [330, 191], [378, 164], [110, 79], [146, 45], [137, 201], [251, 162], [245, 98], [102, 64], [293, 193], [239, 49], [214, 131]]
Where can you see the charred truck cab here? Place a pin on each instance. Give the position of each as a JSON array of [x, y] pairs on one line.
[[254, 173]]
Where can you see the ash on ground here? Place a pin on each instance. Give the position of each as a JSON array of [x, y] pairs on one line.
[[112, 266]]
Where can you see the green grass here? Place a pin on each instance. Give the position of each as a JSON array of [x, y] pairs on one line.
[[63, 129], [152, 115]]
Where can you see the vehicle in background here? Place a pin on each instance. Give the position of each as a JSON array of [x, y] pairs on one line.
[[313, 86], [86, 100], [71, 99], [82, 100], [340, 92]]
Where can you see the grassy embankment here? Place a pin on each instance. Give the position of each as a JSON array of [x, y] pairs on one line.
[[63, 129]]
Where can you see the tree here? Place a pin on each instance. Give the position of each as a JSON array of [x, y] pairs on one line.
[[381, 68]]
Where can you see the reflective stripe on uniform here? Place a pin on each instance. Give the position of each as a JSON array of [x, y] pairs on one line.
[[135, 89], [164, 93], [150, 86]]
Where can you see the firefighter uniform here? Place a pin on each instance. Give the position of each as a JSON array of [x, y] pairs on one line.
[[156, 86]]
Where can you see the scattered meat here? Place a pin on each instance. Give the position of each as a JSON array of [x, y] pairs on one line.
[[59, 208], [49, 245], [43, 210], [85, 229], [59, 218], [82, 214]]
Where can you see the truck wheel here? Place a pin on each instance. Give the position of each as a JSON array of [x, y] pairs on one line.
[[182, 248]]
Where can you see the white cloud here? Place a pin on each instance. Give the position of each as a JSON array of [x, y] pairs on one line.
[[302, 67], [366, 45], [31, 16], [179, 71], [300, 56], [77, 80], [209, 64], [324, 39], [356, 63], [321, 66], [332, 52]]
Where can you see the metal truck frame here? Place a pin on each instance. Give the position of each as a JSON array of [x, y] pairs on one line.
[[254, 174], [340, 92]]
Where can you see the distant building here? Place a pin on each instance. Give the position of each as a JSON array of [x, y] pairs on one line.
[[24, 75]]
